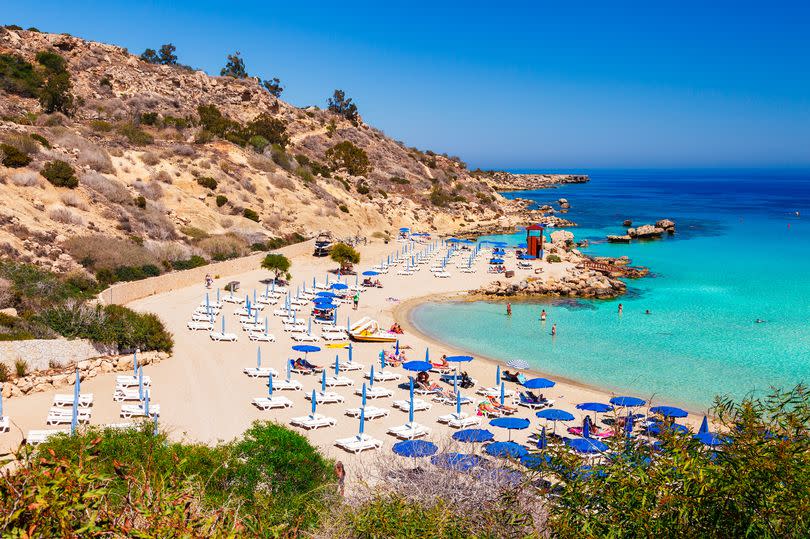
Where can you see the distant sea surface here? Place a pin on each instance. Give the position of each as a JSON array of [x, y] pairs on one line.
[[741, 253]]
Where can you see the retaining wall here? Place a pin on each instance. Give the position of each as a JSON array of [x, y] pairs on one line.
[[40, 354]]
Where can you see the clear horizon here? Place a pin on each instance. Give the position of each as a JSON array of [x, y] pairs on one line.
[[517, 86]]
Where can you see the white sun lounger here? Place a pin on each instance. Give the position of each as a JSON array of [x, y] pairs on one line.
[[266, 301], [305, 337], [441, 274], [405, 272], [495, 392], [358, 443], [467, 270], [299, 302], [261, 336], [353, 366], [459, 421], [85, 400], [313, 421], [260, 372], [333, 329], [4, 423], [232, 299], [372, 412], [295, 328], [409, 431], [219, 336], [336, 381], [213, 304], [124, 380], [244, 313], [283, 312], [266, 403], [383, 376], [120, 426], [374, 392], [327, 397], [38, 436], [137, 410], [63, 416], [286, 385], [418, 405], [251, 327], [444, 399], [195, 325], [203, 316], [333, 337], [127, 394]]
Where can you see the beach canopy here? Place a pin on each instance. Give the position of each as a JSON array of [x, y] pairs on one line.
[[496, 260], [669, 411], [711, 439], [415, 448], [586, 445], [404, 229], [473, 436], [506, 449], [538, 383], [326, 294], [518, 364], [628, 402], [458, 359], [339, 286], [417, 366], [598, 407], [306, 348], [510, 423], [371, 273], [553, 414], [535, 460], [456, 461], [657, 428]]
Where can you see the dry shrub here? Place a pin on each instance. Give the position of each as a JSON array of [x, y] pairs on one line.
[[26, 178], [115, 151], [51, 120], [184, 150], [150, 158], [113, 190], [61, 214], [169, 251], [90, 154], [73, 200], [281, 181], [106, 252], [259, 162], [150, 191], [224, 246], [204, 164], [247, 184], [226, 222], [153, 222], [22, 142], [162, 176]]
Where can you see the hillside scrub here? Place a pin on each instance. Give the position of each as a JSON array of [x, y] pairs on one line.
[[60, 174], [346, 156]]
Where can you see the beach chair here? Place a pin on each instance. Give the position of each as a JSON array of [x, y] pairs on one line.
[[232, 299], [441, 274], [294, 328], [4, 423], [218, 336], [266, 403], [123, 380], [305, 337], [445, 398], [85, 400], [63, 416], [326, 397], [261, 336], [409, 431], [372, 412], [203, 316], [383, 376], [459, 421], [488, 410], [36, 437], [287, 385], [120, 426], [529, 400], [374, 392], [405, 272], [345, 366], [339, 381], [261, 300], [467, 270], [128, 411], [305, 368], [334, 336], [313, 421], [122, 393], [419, 405], [495, 392], [358, 443], [200, 326], [260, 372]]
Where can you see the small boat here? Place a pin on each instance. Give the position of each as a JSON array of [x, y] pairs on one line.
[[369, 330]]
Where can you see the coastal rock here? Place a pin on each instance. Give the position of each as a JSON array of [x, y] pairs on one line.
[[666, 224], [645, 232], [561, 237], [627, 222], [619, 239], [563, 202]]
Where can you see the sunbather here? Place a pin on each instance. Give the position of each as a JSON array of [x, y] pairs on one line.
[[424, 383], [502, 407], [487, 409], [510, 376], [441, 363], [538, 399], [303, 364]]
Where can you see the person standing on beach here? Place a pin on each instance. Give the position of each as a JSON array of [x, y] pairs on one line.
[[340, 472], [508, 309], [543, 315], [356, 300]]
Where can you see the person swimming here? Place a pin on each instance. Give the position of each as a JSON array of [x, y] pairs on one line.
[[759, 321], [554, 330], [543, 315], [508, 309], [621, 308], [647, 312]]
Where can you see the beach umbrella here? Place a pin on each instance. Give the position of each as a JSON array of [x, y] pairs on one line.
[[371, 376], [351, 349], [498, 375], [217, 296], [313, 282], [325, 294], [506, 449], [510, 424], [323, 381], [74, 416], [519, 364], [306, 348], [270, 384], [254, 296], [370, 273], [427, 354], [586, 429], [135, 362], [657, 428], [455, 382], [503, 393], [417, 366], [223, 324], [704, 425], [266, 326], [415, 448], [396, 348], [362, 420], [473, 436], [256, 316], [140, 384], [669, 411], [339, 286], [314, 403], [586, 445], [458, 359], [309, 326], [289, 369], [458, 402], [542, 441], [207, 303], [410, 407], [337, 366], [627, 402], [364, 393], [146, 404], [597, 407], [382, 360], [266, 290], [712, 439], [538, 383], [554, 415], [628, 425], [348, 323], [155, 428], [456, 461]]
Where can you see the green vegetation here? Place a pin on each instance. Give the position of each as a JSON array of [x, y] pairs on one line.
[[42, 140], [261, 131], [20, 367], [207, 182], [343, 208], [18, 76], [126, 273], [346, 156], [140, 201], [553, 259], [271, 129], [250, 214], [398, 180], [13, 328], [278, 264], [101, 126], [165, 56], [345, 255], [135, 134], [60, 174], [438, 197], [343, 106], [4, 374], [12, 157], [234, 67], [221, 200], [314, 166], [273, 86], [149, 118], [362, 187], [194, 262]]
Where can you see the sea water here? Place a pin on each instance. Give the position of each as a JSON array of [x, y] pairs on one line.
[[741, 253]]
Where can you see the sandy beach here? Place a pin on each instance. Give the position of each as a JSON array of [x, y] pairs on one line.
[[204, 395]]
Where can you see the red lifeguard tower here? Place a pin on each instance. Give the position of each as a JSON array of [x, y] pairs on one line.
[[534, 243]]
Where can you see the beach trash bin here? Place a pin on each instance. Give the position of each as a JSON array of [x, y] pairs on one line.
[[509, 273]]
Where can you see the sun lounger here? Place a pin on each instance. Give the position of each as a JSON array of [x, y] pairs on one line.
[[137, 410], [232, 299], [418, 405], [405, 272], [200, 326], [459, 421], [122, 393], [333, 337], [606, 433], [326, 397], [266, 403], [334, 329], [283, 312], [495, 392], [39, 436], [337, 381], [203, 317], [294, 328], [358, 443], [120, 426], [383, 376], [488, 410], [424, 391], [305, 337], [212, 304], [353, 366], [313, 421], [260, 372], [261, 300], [374, 392], [467, 270], [85, 400], [4, 423], [372, 412], [443, 398], [124, 380], [299, 302], [63, 416], [250, 327], [286, 385], [441, 274], [219, 336], [261, 336], [409, 431], [534, 404]]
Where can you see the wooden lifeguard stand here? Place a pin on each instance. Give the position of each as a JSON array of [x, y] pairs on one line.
[[534, 242]]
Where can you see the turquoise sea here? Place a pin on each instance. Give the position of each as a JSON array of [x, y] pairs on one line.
[[741, 253]]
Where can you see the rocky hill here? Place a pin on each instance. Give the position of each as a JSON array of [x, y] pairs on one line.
[[174, 164]]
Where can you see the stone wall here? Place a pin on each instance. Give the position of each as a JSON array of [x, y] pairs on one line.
[[41, 354]]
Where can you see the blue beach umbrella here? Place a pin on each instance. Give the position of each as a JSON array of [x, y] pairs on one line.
[[217, 295], [542, 441], [657, 428], [415, 448], [351, 349], [456, 461], [140, 384], [266, 326], [309, 326], [506, 449], [586, 445], [270, 384], [510, 424], [337, 365], [669, 411], [597, 407], [207, 303], [306, 348], [628, 425], [586, 429], [704, 425], [314, 403], [553, 414], [538, 383], [362, 420], [364, 393], [371, 376], [135, 362], [323, 381], [627, 402], [396, 348], [712, 439], [339, 286], [498, 375], [289, 369], [370, 273], [473, 436], [267, 290], [410, 407], [146, 404], [258, 357], [254, 296], [382, 360], [458, 359], [417, 366], [503, 393], [223, 324], [427, 354]]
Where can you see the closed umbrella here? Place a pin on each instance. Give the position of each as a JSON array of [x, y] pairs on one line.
[[337, 366], [135, 362], [258, 357], [270, 384], [351, 348], [155, 428], [498, 375], [371, 376], [427, 354], [314, 403], [362, 420], [396, 348], [410, 407], [364, 393], [323, 381], [503, 393], [140, 384], [704, 425], [542, 441]]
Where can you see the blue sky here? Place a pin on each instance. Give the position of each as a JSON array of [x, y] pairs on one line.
[[508, 84]]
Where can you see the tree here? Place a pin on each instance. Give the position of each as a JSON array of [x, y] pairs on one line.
[[55, 96], [151, 56], [235, 67], [345, 255], [167, 56], [272, 129], [273, 86], [278, 264], [343, 106], [345, 155]]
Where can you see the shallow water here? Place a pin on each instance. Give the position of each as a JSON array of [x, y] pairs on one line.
[[740, 254]]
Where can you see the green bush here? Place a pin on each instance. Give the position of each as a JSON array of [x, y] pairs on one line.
[[18, 76], [55, 95], [251, 214], [258, 142], [207, 182], [51, 61], [12, 157], [194, 262], [4, 374], [273, 130], [346, 156], [362, 187], [60, 174], [135, 135], [149, 118], [553, 258], [140, 201], [101, 126], [42, 140], [438, 197], [398, 180], [221, 200], [280, 157], [343, 106], [278, 264], [343, 208]]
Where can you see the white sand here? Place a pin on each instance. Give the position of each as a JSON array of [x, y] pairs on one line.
[[204, 395]]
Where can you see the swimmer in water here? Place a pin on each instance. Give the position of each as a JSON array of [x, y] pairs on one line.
[[759, 321], [508, 309], [543, 315], [621, 308], [647, 312], [554, 330]]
